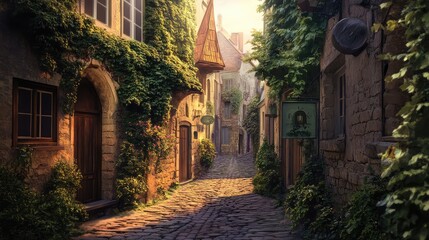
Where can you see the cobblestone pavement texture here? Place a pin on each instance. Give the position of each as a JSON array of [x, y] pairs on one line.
[[219, 205]]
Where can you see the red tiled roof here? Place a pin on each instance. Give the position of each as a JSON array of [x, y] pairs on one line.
[[207, 53]]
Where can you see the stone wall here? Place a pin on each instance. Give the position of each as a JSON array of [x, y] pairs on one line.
[[352, 157]]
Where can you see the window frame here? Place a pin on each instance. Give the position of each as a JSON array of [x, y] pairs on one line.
[[36, 88], [95, 12], [340, 103], [227, 112], [224, 137], [132, 20]]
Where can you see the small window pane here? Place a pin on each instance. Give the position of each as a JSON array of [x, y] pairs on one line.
[[138, 34], [127, 10], [103, 2], [46, 104], [24, 101], [127, 27], [138, 18], [102, 13], [24, 125], [89, 7], [138, 4], [46, 127]]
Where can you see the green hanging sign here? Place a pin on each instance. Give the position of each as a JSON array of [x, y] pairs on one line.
[[299, 119]]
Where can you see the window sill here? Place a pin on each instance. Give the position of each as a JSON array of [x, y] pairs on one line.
[[333, 145], [43, 147]]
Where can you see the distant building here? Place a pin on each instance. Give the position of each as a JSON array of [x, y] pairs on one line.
[[237, 77]]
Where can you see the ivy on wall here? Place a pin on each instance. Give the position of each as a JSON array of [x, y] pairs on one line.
[[235, 97], [148, 73], [290, 48]]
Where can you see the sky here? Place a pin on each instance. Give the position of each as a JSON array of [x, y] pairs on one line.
[[239, 16]]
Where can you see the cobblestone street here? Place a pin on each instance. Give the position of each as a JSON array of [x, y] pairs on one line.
[[219, 205]]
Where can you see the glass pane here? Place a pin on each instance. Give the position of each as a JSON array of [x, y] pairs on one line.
[[24, 100], [89, 7], [103, 2], [127, 28], [46, 127], [341, 87], [46, 104], [341, 108], [138, 18], [138, 34], [138, 4], [24, 125], [127, 10], [102, 13]]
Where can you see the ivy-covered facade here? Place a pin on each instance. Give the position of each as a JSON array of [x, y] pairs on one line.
[[101, 88]]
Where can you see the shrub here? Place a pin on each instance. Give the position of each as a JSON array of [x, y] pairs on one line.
[[131, 176], [207, 153], [267, 180], [25, 214], [363, 219], [308, 202]]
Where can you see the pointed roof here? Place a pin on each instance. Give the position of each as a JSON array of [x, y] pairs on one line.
[[232, 56], [207, 54]]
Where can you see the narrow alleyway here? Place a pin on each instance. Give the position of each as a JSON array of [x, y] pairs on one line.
[[220, 205]]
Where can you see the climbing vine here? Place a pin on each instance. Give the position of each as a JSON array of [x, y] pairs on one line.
[[235, 97], [289, 49], [147, 72], [407, 201], [251, 122]]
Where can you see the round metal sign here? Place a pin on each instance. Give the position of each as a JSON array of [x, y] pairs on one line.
[[349, 36], [207, 119]]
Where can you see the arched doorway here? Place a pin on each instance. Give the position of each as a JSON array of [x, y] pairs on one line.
[[87, 141], [185, 153]]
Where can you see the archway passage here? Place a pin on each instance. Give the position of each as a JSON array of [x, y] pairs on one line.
[[185, 153], [87, 142]]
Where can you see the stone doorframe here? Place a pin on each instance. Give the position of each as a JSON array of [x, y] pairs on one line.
[[106, 90]]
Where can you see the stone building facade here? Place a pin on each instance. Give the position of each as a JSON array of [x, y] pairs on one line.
[[95, 125], [237, 76], [357, 109]]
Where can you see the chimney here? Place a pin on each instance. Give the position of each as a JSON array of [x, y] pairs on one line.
[[237, 39], [219, 22]]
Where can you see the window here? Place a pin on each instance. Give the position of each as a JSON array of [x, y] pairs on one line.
[[132, 19], [227, 84], [226, 135], [227, 110], [98, 9], [34, 112], [340, 103]]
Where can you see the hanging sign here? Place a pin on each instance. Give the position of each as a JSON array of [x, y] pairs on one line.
[[207, 119], [299, 119]]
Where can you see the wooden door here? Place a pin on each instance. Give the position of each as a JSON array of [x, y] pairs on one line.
[[87, 142], [184, 154], [292, 160]]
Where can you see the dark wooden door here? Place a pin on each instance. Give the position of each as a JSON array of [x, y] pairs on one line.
[[87, 142], [184, 154], [292, 160]]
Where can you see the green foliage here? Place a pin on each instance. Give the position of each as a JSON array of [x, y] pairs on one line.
[[362, 218], [308, 202], [25, 214], [131, 176], [407, 201], [289, 49], [251, 122], [207, 153], [209, 108], [267, 180], [235, 97], [22, 163]]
